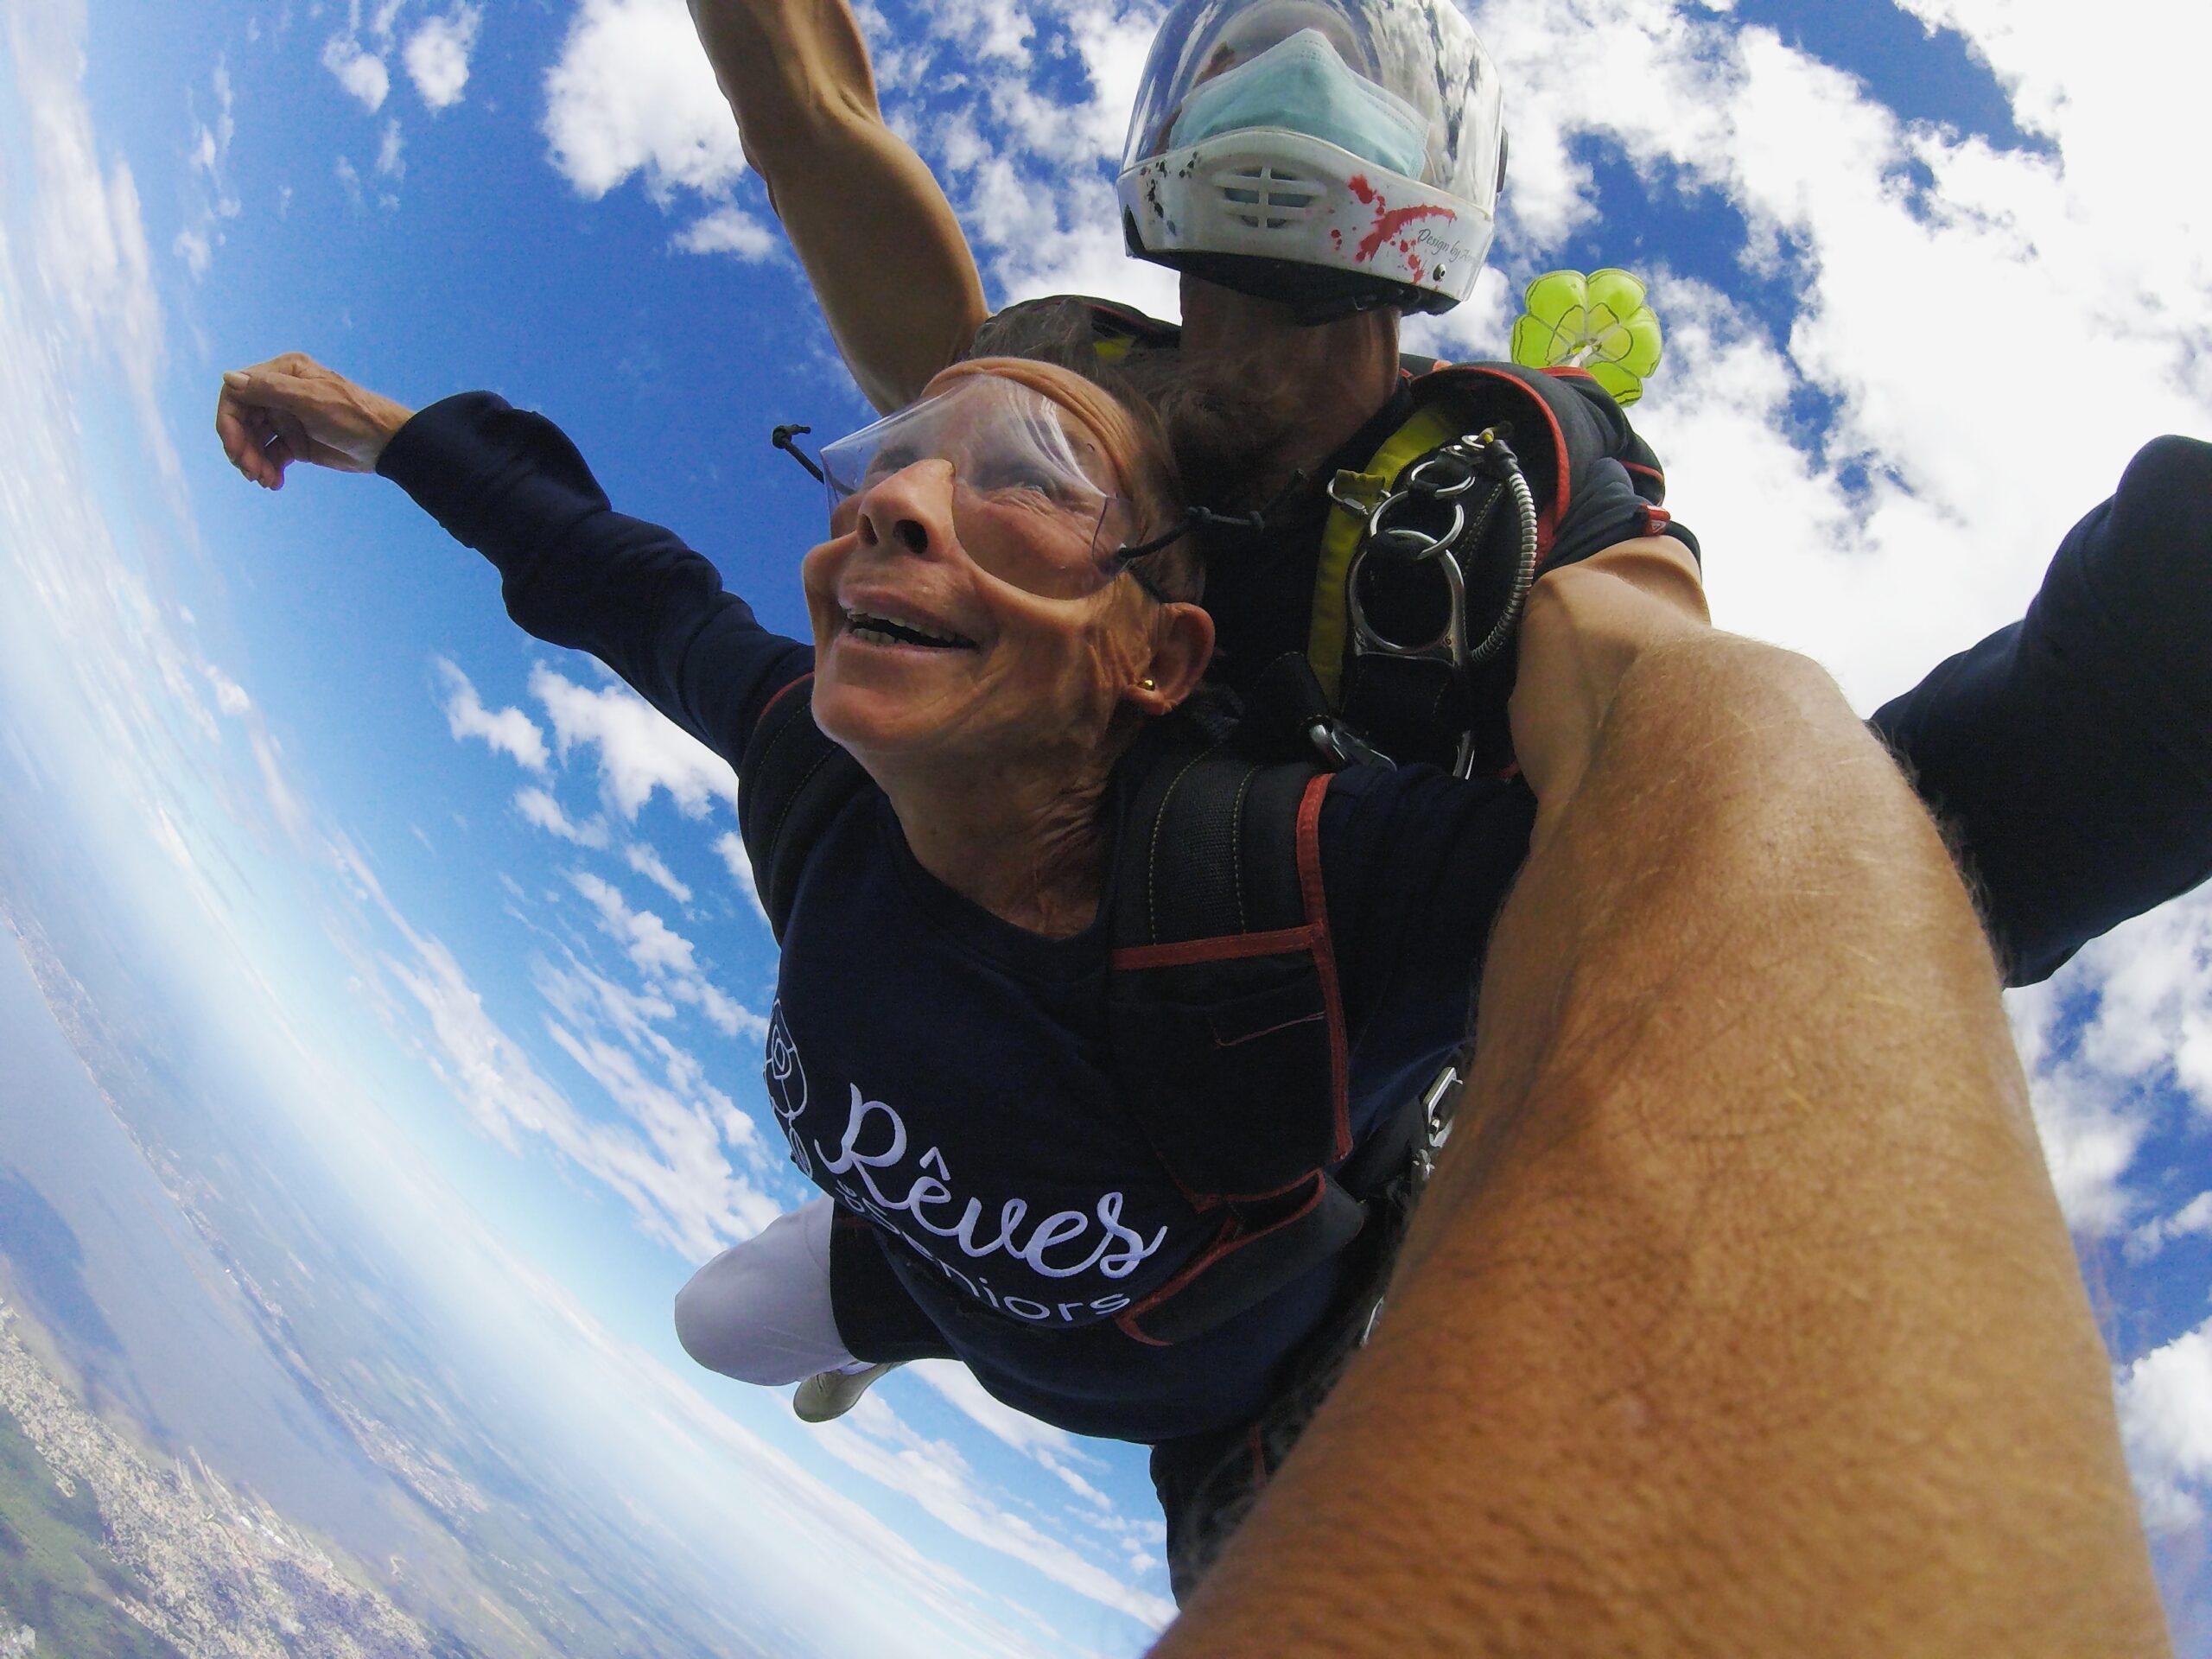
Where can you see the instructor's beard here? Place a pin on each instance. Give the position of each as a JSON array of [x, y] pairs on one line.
[[1308, 387]]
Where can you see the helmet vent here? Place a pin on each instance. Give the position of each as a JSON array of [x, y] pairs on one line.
[[1265, 199]]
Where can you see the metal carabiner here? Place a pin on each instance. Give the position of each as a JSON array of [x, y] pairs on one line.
[[1449, 645]]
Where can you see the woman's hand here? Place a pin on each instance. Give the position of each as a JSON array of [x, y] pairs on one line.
[[1585, 627], [293, 408]]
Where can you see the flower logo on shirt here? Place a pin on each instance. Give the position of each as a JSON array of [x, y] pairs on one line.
[[786, 1080]]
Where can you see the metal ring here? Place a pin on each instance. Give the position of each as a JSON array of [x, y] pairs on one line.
[[1409, 542], [1449, 645], [1420, 475]]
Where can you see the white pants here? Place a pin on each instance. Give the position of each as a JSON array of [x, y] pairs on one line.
[[759, 1312]]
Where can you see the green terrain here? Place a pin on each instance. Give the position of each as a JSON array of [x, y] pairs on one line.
[[56, 1573]]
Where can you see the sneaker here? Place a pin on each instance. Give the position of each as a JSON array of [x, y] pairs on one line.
[[832, 1394]]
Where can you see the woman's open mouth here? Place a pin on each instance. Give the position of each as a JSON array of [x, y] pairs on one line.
[[876, 630]]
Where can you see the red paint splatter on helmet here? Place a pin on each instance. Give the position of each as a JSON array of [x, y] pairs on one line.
[[1389, 222]]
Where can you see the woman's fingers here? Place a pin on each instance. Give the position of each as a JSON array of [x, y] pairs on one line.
[[277, 457], [247, 411], [235, 425]]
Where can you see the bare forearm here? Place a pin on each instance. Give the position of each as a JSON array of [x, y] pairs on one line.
[[869, 221], [1741, 1317]]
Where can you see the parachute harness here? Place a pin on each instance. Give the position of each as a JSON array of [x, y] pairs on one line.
[[1439, 515]]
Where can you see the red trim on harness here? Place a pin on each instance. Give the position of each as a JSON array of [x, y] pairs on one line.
[[1260, 1198], [1226, 947], [1219, 1041], [1325, 955], [1226, 1243], [1648, 472], [1656, 520], [781, 693]]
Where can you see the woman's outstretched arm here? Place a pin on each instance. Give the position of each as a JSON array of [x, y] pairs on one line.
[[870, 222], [573, 570], [1740, 1317]]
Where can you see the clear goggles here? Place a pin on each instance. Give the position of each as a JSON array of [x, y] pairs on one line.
[[1033, 503]]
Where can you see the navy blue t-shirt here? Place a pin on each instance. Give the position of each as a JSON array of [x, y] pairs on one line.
[[938, 1070]]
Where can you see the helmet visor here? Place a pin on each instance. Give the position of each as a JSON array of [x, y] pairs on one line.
[[1034, 503], [1401, 84]]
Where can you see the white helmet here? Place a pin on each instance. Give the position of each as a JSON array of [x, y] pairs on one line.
[[1332, 154]]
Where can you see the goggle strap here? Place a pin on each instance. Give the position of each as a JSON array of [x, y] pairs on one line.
[[785, 439], [1253, 525]]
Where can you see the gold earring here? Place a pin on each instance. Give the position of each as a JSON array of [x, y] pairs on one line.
[[1148, 684]]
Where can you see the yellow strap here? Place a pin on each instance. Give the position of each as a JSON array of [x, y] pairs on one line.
[[1325, 640]]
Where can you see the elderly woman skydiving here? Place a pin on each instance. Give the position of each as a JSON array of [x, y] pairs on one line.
[[1006, 668], [1735, 928]]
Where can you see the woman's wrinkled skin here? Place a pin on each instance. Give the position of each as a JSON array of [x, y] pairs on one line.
[[996, 751]]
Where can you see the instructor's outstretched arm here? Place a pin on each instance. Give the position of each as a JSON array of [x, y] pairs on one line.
[[869, 220], [1740, 1317]]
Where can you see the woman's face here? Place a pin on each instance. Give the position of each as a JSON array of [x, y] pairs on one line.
[[966, 605]]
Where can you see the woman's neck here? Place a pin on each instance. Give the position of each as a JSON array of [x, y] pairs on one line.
[[1025, 842]]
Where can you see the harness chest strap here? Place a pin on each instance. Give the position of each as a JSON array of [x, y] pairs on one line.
[[1328, 630], [1227, 1025]]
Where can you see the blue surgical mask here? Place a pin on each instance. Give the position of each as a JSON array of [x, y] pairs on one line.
[[1301, 85]]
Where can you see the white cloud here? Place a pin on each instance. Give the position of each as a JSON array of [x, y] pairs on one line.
[[639, 751], [1054, 1448], [633, 92], [873, 1438], [727, 230], [1028, 173], [648, 863], [666, 957], [350, 177], [2194, 1218], [690, 1183], [541, 810], [732, 849], [663, 1158], [389, 162], [436, 56], [291, 812], [191, 246], [90, 234], [1018, 1429], [2165, 1415], [202, 232], [230, 695], [510, 732], [649, 942], [361, 74], [2119, 1039]]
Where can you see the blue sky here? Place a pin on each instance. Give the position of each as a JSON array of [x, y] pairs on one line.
[[481, 918]]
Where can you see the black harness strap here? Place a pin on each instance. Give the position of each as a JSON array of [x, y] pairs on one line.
[[1227, 1028]]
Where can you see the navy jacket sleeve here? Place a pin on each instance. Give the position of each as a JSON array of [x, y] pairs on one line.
[[576, 573], [2070, 756]]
